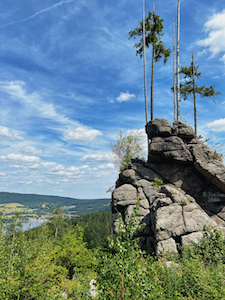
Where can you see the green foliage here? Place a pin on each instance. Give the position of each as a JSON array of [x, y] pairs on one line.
[[157, 182], [56, 220], [201, 138], [97, 227], [126, 148], [186, 89], [121, 272], [154, 32], [71, 253], [197, 273], [124, 271], [38, 271]]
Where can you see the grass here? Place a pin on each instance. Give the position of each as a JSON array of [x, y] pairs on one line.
[[12, 208]]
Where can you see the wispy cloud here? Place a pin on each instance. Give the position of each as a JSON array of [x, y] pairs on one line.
[[47, 9], [34, 102]]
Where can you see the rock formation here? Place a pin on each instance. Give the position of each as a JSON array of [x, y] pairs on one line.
[[192, 194]]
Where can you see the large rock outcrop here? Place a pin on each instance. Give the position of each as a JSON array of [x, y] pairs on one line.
[[192, 194]]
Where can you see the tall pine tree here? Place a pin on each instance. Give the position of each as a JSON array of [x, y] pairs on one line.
[[153, 34], [189, 87]]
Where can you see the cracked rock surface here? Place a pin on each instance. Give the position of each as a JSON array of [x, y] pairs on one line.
[[192, 194]]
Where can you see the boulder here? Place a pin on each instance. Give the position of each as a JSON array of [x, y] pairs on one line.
[[191, 197], [166, 246], [125, 195], [194, 237], [172, 148], [201, 152], [214, 171], [183, 130], [158, 127]]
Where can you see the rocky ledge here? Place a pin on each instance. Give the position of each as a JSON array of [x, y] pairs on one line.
[[192, 194]]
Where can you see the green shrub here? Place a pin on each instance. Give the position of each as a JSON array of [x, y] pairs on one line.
[[157, 182]]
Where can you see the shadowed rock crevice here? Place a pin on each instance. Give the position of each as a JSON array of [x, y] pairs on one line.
[[192, 194]]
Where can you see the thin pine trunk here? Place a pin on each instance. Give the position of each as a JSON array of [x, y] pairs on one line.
[[178, 61], [152, 79], [144, 56], [174, 71], [152, 82], [194, 94]]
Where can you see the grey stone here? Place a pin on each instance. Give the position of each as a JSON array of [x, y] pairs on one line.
[[172, 148], [166, 246], [158, 127], [195, 218], [194, 237], [93, 292], [168, 222], [116, 217], [214, 171], [160, 202], [183, 130], [125, 195], [177, 195], [201, 152], [148, 189], [146, 173], [191, 197], [129, 176]]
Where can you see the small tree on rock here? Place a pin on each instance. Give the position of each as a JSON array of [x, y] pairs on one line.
[[125, 148]]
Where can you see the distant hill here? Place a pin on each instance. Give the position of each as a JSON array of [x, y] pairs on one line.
[[43, 204]]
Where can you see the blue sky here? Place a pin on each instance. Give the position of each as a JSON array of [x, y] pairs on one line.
[[70, 81]]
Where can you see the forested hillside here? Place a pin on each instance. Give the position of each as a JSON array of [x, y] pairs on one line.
[[32, 205]]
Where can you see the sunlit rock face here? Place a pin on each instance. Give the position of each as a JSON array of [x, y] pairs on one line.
[[192, 194]]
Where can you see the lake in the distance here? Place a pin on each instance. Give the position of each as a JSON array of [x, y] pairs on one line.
[[31, 224]]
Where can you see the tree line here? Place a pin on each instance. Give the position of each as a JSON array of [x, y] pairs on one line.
[[150, 31]]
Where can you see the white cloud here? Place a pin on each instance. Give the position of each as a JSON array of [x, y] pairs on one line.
[[215, 27], [124, 97], [20, 158], [217, 125], [31, 149], [74, 169], [81, 134], [96, 157], [4, 132], [25, 182], [2, 174], [108, 166]]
